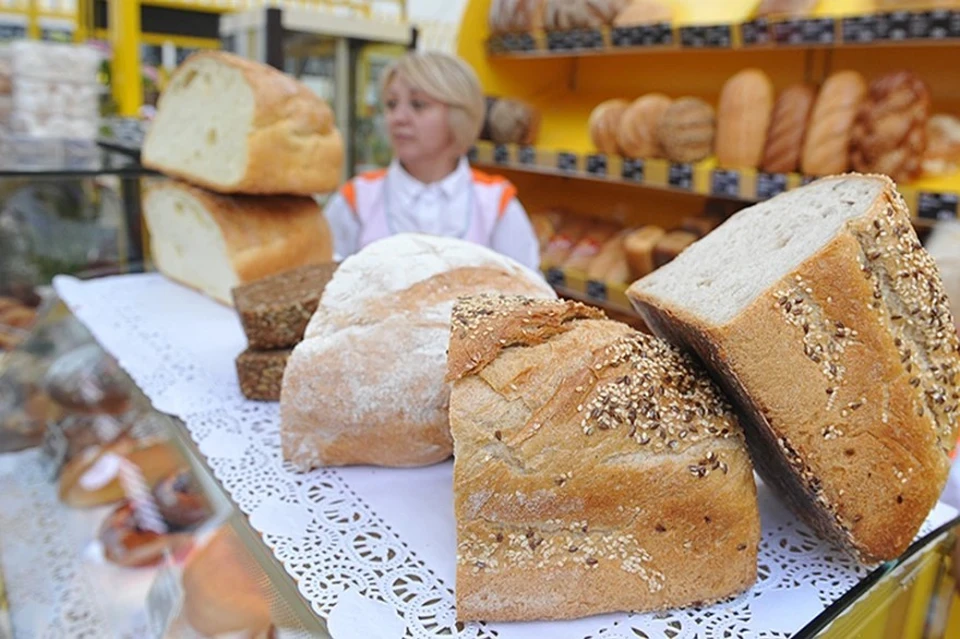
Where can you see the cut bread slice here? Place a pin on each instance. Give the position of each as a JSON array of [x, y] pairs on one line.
[[215, 242], [236, 126], [825, 320]]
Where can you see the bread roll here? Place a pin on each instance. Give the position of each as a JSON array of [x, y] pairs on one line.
[[597, 469], [826, 146], [365, 386], [686, 130], [637, 135], [570, 232], [589, 246], [236, 126], [604, 124], [561, 15], [611, 253], [619, 271], [639, 247], [515, 15], [828, 326], [640, 12], [786, 8], [671, 245], [746, 103], [942, 156], [513, 122], [788, 124], [890, 133], [214, 243]]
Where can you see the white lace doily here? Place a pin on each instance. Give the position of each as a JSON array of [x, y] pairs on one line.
[[389, 535]]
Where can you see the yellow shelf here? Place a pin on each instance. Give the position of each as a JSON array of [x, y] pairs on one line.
[[929, 199]]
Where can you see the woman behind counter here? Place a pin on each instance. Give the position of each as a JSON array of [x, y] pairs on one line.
[[434, 113]]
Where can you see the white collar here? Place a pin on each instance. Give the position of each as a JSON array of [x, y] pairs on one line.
[[408, 186]]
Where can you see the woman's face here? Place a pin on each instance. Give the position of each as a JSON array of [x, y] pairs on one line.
[[418, 125]]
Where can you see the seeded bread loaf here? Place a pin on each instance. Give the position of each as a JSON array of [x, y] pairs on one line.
[[365, 386], [596, 469], [275, 311], [829, 328], [261, 373]]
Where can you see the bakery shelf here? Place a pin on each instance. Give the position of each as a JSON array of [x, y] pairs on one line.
[[930, 199], [608, 296]]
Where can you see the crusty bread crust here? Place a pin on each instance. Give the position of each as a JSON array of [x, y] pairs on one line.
[[293, 146], [846, 371], [596, 469]]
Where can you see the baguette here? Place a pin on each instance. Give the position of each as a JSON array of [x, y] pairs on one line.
[[788, 125]]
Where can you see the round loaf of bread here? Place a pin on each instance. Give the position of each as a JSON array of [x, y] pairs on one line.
[[365, 386], [637, 136], [643, 12], [746, 103], [561, 15], [604, 125], [785, 8], [686, 130], [787, 127], [513, 122], [508, 16]]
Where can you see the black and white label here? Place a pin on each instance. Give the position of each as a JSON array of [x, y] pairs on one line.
[[897, 26], [527, 155], [519, 42], [954, 24], [597, 290], [164, 600], [725, 183], [820, 31], [501, 154], [937, 206], [644, 35], [575, 40], [555, 277], [770, 184], [567, 162], [597, 165], [938, 24], [680, 176], [756, 32], [632, 170], [860, 29], [710, 37]]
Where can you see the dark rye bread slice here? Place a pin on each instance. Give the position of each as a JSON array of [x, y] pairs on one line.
[[261, 373], [274, 311], [826, 322]]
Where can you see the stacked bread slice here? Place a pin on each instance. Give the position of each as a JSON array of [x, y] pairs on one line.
[[247, 147]]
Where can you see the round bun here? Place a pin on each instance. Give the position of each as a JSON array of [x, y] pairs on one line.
[[604, 125], [180, 501], [687, 130], [637, 136], [513, 122]]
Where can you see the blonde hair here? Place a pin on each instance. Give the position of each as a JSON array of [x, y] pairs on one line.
[[449, 80]]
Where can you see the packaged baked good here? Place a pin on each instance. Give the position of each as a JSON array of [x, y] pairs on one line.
[[826, 322], [637, 135], [545, 225], [260, 373], [180, 500], [788, 125], [890, 132], [639, 12], [613, 475], [134, 539], [604, 125], [88, 380], [942, 156], [826, 146], [743, 116], [639, 246], [571, 231], [686, 130], [589, 246], [610, 255], [274, 311]]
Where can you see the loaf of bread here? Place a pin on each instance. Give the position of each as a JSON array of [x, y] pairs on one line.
[[589, 246], [604, 125], [214, 243], [274, 311], [640, 12], [671, 245], [826, 147], [236, 126], [596, 469], [611, 253], [571, 231], [743, 116], [545, 225], [512, 122], [365, 386], [788, 124], [828, 326], [260, 373], [639, 247], [637, 135], [942, 156], [890, 133], [515, 15], [786, 8], [686, 130], [560, 15]]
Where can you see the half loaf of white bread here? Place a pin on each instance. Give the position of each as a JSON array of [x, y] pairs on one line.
[[235, 126], [215, 242], [366, 384], [597, 469], [826, 321]]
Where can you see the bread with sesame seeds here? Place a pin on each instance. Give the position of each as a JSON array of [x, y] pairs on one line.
[[366, 383], [829, 328], [597, 469]]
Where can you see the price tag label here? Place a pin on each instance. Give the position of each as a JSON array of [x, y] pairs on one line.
[[567, 162], [645, 35], [897, 26], [555, 277], [818, 31], [919, 27], [770, 184], [527, 155], [632, 170], [501, 154], [954, 24], [472, 154], [597, 290], [725, 183], [937, 206], [597, 165], [756, 32], [681, 176], [860, 29], [164, 600], [939, 24], [518, 42], [574, 40], [707, 37]]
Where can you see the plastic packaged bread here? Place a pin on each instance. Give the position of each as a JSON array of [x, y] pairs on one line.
[[788, 125], [612, 254], [596, 469], [637, 135], [214, 243], [571, 230], [589, 246], [829, 329], [743, 116], [942, 156], [826, 146], [236, 126], [365, 386], [639, 246]]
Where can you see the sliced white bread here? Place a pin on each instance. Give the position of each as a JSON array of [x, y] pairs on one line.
[[826, 322]]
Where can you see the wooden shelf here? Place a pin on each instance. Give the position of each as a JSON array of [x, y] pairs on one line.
[[929, 199]]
